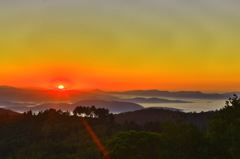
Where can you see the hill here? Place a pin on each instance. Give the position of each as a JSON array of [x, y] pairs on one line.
[[113, 106], [151, 115], [178, 94], [7, 112], [153, 100]]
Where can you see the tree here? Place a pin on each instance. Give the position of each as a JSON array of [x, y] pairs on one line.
[[81, 111], [93, 112], [224, 131], [182, 141], [102, 113], [135, 145]]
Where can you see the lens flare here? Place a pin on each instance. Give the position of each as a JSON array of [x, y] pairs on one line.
[[95, 139]]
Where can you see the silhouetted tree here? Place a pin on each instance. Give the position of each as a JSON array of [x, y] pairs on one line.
[[102, 113], [224, 131], [92, 112]]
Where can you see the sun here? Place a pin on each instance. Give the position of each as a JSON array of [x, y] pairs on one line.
[[61, 87]]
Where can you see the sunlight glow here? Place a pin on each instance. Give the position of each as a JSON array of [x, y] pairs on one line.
[[61, 87]]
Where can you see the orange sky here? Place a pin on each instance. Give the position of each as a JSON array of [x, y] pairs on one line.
[[120, 45]]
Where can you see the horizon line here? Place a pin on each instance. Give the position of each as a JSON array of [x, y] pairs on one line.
[[96, 89]]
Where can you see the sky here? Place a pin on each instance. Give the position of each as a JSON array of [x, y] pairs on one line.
[[121, 44]]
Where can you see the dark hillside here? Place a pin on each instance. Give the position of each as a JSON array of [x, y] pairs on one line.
[[149, 115], [7, 112]]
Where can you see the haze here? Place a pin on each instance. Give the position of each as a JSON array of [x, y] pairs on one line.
[[121, 45]]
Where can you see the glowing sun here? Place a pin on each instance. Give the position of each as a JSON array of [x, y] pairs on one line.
[[61, 87]]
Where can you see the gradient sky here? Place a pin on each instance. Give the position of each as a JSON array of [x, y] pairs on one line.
[[121, 44]]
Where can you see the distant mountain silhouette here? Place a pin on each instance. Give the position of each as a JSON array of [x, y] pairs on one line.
[[39, 95], [21, 94], [179, 94], [7, 112], [57, 106], [16, 95], [154, 100], [23, 99], [113, 106]]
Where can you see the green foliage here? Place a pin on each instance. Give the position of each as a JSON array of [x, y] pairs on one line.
[[183, 141], [134, 145], [177, 141], [224, 131], [53, 134]]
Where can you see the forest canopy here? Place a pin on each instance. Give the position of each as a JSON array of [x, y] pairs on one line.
[[53, 134]]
